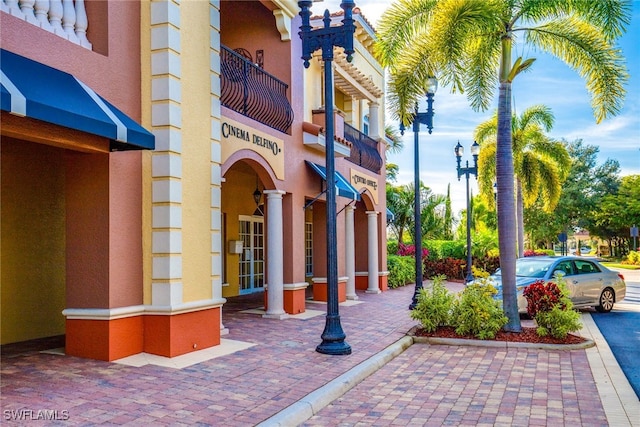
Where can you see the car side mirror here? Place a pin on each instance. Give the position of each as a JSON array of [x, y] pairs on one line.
[[559, 273]]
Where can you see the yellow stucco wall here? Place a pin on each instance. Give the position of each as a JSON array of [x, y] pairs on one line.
[[145, 74], [32, 232], [196, 150]]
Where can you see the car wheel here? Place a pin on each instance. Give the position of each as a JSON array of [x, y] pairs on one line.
[[607, 298]]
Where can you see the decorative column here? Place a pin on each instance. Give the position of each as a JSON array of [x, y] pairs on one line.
[[372, 250], [350, 252], [374, 123], [275, 256]]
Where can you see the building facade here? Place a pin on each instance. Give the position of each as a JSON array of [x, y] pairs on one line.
[[135, 246]]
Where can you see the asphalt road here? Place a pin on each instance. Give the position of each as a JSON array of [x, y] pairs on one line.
[[621, 329]]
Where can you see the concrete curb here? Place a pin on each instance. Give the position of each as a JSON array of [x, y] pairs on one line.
[[313, 402]]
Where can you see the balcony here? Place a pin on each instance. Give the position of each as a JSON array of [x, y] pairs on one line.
[[250, 91], [364, 150], [66, 19]]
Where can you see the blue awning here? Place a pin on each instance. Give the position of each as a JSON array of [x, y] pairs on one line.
[[343, 187], [38, 91], [390, 215]]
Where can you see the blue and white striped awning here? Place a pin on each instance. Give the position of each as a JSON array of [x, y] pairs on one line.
[[343, 187], [35, 90]]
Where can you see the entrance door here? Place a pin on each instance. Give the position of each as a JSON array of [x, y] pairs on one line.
[[252, 257]]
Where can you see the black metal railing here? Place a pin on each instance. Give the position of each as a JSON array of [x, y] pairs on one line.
[[364, 150], [250, 91]]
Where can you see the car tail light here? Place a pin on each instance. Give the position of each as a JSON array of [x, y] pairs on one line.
[[621, 276]]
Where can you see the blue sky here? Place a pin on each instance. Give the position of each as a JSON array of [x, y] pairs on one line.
[[550, 82]]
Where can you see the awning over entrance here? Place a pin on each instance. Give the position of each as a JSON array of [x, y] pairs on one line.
[[38, 91], [343, 187], [390, 215]]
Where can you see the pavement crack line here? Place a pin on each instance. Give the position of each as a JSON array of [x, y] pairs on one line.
[[313, 402]]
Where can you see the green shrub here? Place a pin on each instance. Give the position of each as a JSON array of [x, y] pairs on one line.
[[549, 304], [434, 305], [557, 322], [633, 258], [392, 247], [439, 249], [401, 270], [477, 313]]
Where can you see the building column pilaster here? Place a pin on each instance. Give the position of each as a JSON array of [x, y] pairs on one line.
[[350, 252], [372, 228], [275, 256]]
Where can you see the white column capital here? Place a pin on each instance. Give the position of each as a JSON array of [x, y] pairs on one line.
[[372, 213], [274, 193]]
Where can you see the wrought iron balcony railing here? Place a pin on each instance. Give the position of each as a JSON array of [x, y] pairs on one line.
[[250, 91], [364, 150]]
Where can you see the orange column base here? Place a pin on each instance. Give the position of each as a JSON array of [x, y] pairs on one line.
[[164, 335], [320, 289], [179, 334], [293, 299], [104, 339], [383, 282], [362, 282]]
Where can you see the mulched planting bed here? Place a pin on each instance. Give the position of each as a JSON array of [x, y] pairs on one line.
[[528, 335]]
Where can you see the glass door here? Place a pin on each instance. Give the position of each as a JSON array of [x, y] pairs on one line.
[[251, 268]]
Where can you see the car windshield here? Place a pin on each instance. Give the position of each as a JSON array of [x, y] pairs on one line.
[[531, 267]]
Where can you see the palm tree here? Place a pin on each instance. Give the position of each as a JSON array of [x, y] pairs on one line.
[[467, 45], [400, 202], [540, 165], [394, 145]]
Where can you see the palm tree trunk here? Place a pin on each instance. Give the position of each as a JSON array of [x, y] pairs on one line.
[[520, 215], [506, 209]]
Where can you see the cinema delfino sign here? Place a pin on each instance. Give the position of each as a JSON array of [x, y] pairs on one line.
[[238, 136]]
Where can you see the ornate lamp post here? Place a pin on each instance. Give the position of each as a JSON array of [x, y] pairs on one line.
[[425, 119], [475, 150], [326, 38]]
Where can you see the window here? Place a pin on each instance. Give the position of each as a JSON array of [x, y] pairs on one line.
[[365, 124], [308, 248]]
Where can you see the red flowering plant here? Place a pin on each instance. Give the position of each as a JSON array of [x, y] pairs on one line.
[[541, 296], [531, 252], [410, 250]]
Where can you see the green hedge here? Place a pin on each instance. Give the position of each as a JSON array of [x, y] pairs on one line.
[[402, 270], [439, 249]]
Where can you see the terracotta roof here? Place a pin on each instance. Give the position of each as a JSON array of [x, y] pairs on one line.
[[356, 10], [316, 130]]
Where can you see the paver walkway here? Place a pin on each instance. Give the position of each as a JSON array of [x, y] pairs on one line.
[[427, 384]]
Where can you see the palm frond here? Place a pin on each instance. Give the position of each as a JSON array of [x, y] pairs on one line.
[[401, 23], [585, 49]]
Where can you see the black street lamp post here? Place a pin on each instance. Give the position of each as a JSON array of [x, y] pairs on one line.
[[475, 150], [325, 38], [425, 119]]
